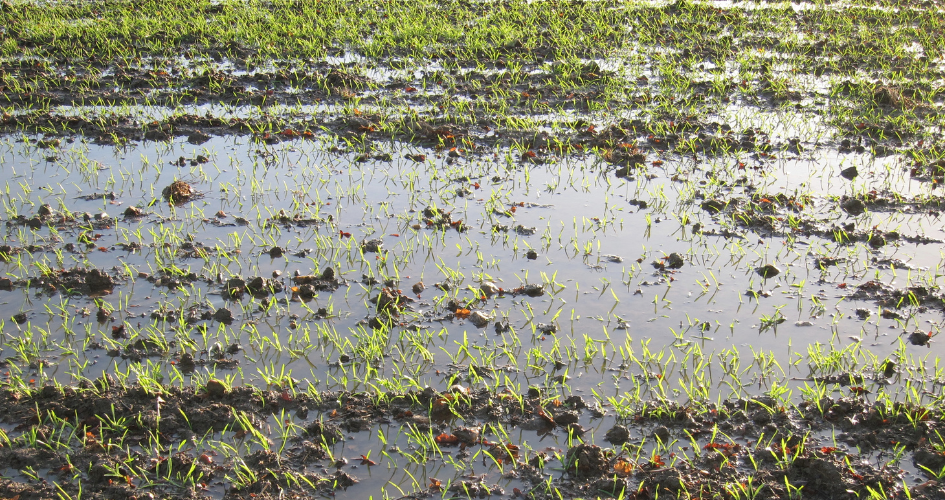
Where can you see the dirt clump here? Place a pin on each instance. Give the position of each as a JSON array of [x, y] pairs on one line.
[[308, 286], [372, 246], [618, 434], [853, 206], [768, 271], [587, 460], [328, 433], [216, 388], [178, 192], [391, 301], [223, 315], [76, 280]]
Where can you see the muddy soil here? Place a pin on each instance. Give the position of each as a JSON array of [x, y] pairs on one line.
[[522, 262], [95, 431]]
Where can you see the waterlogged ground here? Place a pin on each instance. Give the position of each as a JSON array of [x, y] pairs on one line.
[[524, 250]]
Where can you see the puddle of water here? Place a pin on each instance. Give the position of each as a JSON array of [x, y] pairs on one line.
[[581, 217]]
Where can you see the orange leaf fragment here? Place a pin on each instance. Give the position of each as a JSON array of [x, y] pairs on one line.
[[447, 439], [623, 467]]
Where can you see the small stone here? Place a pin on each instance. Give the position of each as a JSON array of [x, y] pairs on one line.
[[849, 173], [19, 318], [489, 288], [276, 252], [479, 319], [418, 287], [531, 254]]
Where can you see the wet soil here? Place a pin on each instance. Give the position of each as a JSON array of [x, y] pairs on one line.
[[727, 163], [782, 443]]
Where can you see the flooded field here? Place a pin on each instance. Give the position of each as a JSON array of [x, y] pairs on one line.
[[468, 250]]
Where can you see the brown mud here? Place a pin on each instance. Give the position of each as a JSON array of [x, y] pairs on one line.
[[781, 442]]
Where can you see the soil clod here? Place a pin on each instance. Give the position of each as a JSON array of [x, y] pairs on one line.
[[178, 192], [768, 271]]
